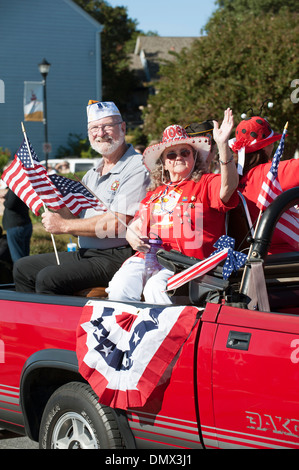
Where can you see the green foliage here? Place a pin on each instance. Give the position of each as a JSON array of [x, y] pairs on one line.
[[239, 64], [119, 29], [4, 157], [137, 137], [76, 146], [247, 9]]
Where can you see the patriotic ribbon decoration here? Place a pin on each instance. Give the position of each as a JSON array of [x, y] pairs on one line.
[[124, 352], [235, 259]]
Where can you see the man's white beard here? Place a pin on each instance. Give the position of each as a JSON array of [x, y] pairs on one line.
[[107, 147]]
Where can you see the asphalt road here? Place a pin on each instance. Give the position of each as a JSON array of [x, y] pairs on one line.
[[9, 440]]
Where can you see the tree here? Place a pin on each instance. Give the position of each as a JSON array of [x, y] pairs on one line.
[[244, 9], [118, 80], [239, 63]]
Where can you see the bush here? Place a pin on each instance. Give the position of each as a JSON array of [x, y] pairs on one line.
[[137, 137], [4, 157], [76, 146]]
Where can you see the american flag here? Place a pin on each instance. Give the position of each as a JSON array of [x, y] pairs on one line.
[[123, 351], [198, 269], [75, 196], [17, 180], [28, 179], [38, 177], [288, 224]]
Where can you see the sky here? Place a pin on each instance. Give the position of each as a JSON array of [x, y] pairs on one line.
[[169, 17]]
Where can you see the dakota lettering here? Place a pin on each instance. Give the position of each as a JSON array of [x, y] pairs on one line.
[[275, 424]]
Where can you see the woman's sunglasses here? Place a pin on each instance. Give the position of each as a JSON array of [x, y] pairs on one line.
[[185, 153]]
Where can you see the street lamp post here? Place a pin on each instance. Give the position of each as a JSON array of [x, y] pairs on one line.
[[44, 68]]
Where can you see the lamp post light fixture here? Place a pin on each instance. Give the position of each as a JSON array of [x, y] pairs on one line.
[[44, 68]]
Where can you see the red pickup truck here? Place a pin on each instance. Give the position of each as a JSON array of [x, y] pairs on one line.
[[234, 384]]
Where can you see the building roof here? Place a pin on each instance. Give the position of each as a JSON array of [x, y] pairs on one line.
[[84, 15], [151, 51]]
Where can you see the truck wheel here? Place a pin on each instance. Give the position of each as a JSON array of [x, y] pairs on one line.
[[73, 419]]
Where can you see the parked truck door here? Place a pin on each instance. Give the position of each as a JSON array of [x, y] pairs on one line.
[[255, 379]]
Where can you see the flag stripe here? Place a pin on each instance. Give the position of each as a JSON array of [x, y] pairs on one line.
[[198, 269], [288, 224], [269, 192], [75, 196], [289, 232], [18, 182], [28, 179], [43, 186]]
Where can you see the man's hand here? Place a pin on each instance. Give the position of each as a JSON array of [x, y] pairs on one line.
[[53, 222]]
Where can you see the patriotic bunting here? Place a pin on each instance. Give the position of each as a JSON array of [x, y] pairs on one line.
[[124, 351]]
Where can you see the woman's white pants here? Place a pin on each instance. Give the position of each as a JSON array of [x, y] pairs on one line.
[[129, 282]]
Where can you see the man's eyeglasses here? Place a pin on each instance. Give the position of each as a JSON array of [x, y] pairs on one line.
[[185, 153], [104, 127]]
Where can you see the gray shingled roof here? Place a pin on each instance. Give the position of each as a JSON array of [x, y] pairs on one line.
[[150, 51]]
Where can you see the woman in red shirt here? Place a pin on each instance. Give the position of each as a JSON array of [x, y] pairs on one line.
[[185, 207]]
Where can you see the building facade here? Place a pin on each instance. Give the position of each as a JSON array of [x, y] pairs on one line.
[[70, 40]]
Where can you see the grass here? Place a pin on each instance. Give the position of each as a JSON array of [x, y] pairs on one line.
[[41, 241]]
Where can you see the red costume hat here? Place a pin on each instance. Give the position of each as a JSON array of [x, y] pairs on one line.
[[252, 134]]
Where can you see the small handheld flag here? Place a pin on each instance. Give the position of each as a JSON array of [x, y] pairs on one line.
[[288, 224]]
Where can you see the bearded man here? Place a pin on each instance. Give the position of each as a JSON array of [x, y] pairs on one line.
[[119, 181]]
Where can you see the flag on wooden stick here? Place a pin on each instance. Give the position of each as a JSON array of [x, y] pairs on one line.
[[17, 180], [75, 195], [288, 224], [38, 177], [198, 269], [234, 260]]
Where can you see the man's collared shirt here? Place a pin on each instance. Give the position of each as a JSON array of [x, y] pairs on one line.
[[121, 189]]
